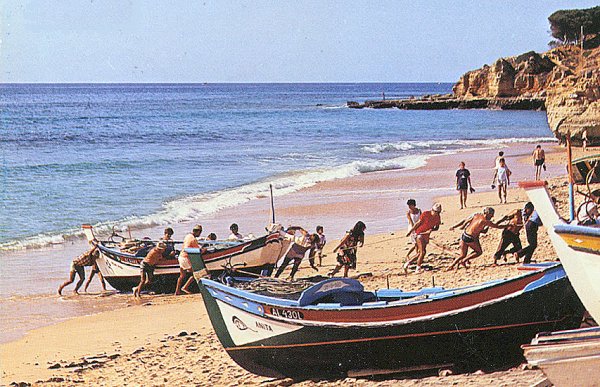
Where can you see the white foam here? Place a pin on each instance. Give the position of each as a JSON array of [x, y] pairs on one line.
[[443, 144], [195, 206]]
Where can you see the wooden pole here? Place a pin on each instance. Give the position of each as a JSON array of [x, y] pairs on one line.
[[581, 53], [571, 181], [272, 204]]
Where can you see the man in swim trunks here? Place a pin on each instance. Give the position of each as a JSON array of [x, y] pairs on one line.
[[473, 226], [148, 265], [510, 235], [428, 222], [539, 158]]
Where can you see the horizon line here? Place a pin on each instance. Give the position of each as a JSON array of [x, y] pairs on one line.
[[216, 83]]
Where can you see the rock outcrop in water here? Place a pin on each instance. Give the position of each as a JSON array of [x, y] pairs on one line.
[[557, 81]]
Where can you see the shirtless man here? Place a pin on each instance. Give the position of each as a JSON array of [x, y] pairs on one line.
[[148, 265], [510, 235], [539, 158], [475, 225]]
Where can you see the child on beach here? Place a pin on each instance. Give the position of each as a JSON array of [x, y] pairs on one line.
[[346, 257], [502, 176], [78, 267], [463, 184], [412, 215], [320, 245]]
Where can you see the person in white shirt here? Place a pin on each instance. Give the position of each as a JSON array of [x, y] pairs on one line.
[[587, 213], [235, 235], [502, 176]]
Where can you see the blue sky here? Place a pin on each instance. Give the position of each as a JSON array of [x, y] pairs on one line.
[[265, 41]]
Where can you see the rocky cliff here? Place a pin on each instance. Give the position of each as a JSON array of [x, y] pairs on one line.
[[569, 86]]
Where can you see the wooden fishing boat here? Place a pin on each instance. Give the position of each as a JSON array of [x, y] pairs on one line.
[[567, 358], [122, 269], [571, 357], [335, 328], [578, 247]]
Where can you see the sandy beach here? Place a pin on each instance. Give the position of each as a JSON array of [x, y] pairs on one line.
[[168, 340]]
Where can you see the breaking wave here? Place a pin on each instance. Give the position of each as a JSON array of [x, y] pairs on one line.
[[449, 144], [192, 207]]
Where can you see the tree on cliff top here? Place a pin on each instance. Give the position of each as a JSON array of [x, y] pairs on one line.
[[565, 25]]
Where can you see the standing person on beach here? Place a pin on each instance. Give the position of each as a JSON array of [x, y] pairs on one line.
[[347, 247], [412, 215], [148, 265], [428, 221], [463, 184], [78, 267], [473, 227], [584, 139], [532, 224], [510, 235], [502, 176], [497, 160], [539, 159], [321, 244], [185, 265]]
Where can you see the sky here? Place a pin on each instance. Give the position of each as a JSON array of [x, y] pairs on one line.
[[265, 41]]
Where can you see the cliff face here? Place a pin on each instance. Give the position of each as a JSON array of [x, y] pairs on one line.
[[573, 97], [571, 90]]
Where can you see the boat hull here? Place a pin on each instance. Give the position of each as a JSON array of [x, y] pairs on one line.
[[569, 358], [487, 335], [581, 264], [122, 271]]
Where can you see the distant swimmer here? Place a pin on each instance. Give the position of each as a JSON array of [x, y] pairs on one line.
[[539, 161], [78, 267], [473, 227]]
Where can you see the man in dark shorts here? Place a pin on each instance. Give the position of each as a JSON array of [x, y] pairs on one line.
[[532, 223], [510, 235], [473, 226], [539, 159], [463, 184], [148, 265], [78, 267]]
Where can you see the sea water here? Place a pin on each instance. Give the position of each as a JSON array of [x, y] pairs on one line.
[[142, 155], [153, 154]]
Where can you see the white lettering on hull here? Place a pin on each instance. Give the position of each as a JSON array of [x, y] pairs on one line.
[[247, 328]]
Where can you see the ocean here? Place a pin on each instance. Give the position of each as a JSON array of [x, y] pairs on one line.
[[156, 154]]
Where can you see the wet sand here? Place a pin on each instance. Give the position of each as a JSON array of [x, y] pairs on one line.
[[139, 343]]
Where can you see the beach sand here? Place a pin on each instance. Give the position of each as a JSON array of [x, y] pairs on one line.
[[168, 340]]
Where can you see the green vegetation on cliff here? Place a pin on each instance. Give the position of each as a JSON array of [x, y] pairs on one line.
[[565, 25]]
